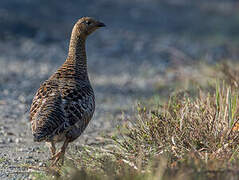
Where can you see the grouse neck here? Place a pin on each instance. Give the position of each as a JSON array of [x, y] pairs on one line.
[[77, 49], [77, 54]]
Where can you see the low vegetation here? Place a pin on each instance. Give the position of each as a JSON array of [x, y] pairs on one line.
[[190, 136]]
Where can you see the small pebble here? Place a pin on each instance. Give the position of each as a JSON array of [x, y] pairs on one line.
[[28, 161], [29, 157], [23, 150], [18, 140], [9, 140], [3, 127], [41, 164], [10, 133]]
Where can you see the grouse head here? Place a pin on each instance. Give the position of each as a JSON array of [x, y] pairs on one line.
[[87, 25]]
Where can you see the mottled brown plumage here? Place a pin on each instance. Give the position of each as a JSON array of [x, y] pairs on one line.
[[64, 104]]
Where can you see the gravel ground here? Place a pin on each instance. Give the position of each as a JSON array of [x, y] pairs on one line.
[[142, 39]]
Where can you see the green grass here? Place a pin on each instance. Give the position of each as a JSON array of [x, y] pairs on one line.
[[190, 136], [2, 159]]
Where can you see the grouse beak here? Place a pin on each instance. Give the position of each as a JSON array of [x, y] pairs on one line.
[[100, 24]]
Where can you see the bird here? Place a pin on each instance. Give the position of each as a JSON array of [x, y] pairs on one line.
[[65, 103]]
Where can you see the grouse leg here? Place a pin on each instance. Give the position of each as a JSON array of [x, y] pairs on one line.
[[52, 148], [60, 154]]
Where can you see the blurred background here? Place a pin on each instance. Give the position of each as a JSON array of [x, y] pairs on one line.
[[146, 45]]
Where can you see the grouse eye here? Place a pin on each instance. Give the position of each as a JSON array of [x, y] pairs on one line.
[[88, 22]]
